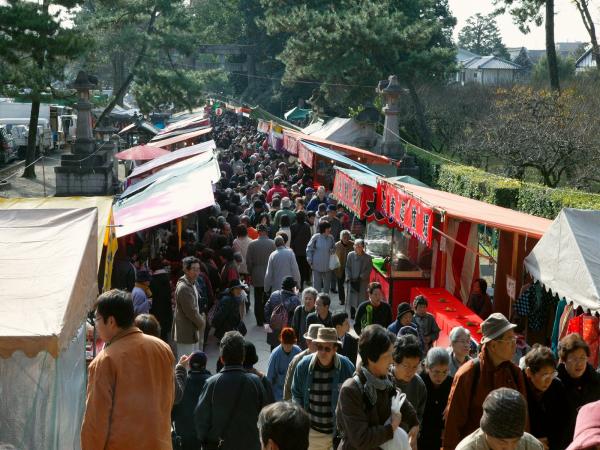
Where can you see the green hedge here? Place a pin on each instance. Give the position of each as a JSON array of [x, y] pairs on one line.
[[474, 183]]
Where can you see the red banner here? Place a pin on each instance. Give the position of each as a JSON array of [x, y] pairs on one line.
[[305, 156], [290, 144], [405, 211], [352, 194]]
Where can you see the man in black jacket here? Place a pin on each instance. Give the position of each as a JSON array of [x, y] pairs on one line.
[[230, 402], [300, 235], [349, 347]]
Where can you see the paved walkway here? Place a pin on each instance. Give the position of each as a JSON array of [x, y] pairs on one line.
[[25, 187]]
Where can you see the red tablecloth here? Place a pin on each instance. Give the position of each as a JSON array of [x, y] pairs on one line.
[[449, 313]]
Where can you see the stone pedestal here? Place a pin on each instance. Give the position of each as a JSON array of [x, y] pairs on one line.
[[88, 170]]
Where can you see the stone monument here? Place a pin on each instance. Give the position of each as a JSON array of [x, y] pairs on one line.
[[391, 144], [88, 169]]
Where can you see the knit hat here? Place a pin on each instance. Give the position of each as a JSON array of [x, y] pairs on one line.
[[142, 276], [288, 283], [197, 360], [313, 331], [404, 308], [250, 356], [495, 326], [587, 428], [504, 414]]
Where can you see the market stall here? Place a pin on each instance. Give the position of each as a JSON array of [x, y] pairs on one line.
[[435, 235], [42, 323]]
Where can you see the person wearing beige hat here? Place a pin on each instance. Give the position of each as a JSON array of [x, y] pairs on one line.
[[311, 347], [316, 387], [475, 379]]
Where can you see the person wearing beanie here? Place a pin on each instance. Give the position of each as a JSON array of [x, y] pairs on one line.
[[280, 359], [475, 379], [502, 424], [250, 359], [190, 375]]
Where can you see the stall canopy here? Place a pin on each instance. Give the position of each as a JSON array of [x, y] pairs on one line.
[[194, 121], [297, 114], [103, 204], [344, 131], [58, 248], [566, 260], [146, 126], [180, 138], [142, 153], [172, 157], [307, 151], [475, 211], [260, 113], [170, 193]]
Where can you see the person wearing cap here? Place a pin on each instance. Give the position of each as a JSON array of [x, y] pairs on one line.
[[191, 374], [316, 384], [587, 428], [311, 347], [287, 296], [281, 264], [250, 359], [188, 331], [308, 196], [475, 379], [286, 210], [280, 360], [404, 318], [364, 406], [141, 294], [229, 313], [358, 270], [502, 424], [374, 310], [546, 399], [277, 189], [257, 259]]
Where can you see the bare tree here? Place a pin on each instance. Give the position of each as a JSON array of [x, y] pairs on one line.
[[586, 17]]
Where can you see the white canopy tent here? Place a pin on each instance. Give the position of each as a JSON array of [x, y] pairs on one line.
[[344, 131], [48, 274], [566, 260]]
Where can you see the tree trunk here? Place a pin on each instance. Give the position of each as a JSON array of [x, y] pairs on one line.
[[29, 171], [584, 10], [123, 89], [118, 73], [424, 132], [551, 47]]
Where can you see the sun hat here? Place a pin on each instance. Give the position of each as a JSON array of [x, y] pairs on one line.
[[326, 335], [313, 331], [404, 308], [504, 414], [495, 326], [587, 428]]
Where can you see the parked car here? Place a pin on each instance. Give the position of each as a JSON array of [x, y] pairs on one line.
[[8, 150]]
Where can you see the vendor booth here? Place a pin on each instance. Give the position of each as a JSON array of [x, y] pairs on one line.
[[430, 240], [566, 264], [42, 332]]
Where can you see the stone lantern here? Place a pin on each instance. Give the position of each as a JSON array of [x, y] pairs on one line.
[[391, 90]]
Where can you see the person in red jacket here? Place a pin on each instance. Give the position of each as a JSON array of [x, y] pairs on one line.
[[277, 189]]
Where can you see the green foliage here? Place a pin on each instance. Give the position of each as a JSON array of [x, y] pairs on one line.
[[348, 45], [481, 35], [566, 70], [471, 182]]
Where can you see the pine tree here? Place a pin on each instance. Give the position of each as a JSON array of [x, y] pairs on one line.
[[481, 35]]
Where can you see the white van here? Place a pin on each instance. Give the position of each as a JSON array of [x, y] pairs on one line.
[[44, 131]]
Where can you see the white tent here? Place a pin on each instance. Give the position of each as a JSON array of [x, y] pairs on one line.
[[48, 274], [344, 131], [566, 259]]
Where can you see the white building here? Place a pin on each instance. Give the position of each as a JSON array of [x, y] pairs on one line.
[[585, 62], [487, 70]]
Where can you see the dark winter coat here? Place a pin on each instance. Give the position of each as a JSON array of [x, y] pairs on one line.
[[432, 427], [183, 412]]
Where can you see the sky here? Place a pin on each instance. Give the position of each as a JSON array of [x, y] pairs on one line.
[[568, 26]]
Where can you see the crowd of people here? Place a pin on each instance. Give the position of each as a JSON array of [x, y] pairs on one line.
[[342, 373]]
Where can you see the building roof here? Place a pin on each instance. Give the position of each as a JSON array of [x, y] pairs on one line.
[[463, 55], [582, 57], [491, 62]]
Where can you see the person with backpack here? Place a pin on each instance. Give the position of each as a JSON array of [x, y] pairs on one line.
[[475, 379], [280, 359], [364, 405], [279, 310]]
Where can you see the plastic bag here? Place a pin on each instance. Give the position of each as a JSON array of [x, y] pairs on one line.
[[400, 440], [334, 261]]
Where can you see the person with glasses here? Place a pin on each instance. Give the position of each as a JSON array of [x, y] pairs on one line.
[[460, 346], [438, 381], [407, 362], [475, 379], [316, 385], [581, 381], [546, 399]]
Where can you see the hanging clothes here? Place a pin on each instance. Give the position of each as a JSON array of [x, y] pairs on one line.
[[535, 304], [587, 327]]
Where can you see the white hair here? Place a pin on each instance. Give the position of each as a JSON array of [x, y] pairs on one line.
[[457, 332]]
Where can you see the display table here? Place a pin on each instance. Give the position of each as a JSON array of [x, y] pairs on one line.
[[449, 312], [396, 290]]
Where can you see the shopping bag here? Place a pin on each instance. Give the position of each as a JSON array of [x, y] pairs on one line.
[[334, 261]]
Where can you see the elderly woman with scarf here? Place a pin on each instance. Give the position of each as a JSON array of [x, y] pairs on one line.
[[365, 400]]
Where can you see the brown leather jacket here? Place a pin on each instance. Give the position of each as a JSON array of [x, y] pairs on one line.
[[464, 409]]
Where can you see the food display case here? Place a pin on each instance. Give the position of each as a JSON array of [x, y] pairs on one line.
[[400, 262]]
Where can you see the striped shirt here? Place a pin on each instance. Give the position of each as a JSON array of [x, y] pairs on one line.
[[319, 400]]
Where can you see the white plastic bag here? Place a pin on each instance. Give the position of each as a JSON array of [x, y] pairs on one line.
[[334, 261], [400, 440]]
